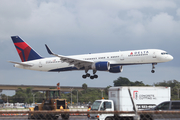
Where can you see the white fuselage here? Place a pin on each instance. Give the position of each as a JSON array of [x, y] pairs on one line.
[[121, 58]]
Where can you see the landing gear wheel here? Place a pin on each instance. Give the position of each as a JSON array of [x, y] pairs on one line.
[[84, 76], [152, 71], [95, 76], [87, 75], [92, 77]]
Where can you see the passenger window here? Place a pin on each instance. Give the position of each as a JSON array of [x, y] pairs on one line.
[[175, 106], [163, 106]]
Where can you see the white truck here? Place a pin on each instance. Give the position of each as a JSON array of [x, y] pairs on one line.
[[129, 99]]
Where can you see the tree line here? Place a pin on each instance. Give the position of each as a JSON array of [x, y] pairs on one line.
[[88, 95]]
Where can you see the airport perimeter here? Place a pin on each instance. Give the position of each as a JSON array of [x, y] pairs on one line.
[[83, 115], [123, 103]]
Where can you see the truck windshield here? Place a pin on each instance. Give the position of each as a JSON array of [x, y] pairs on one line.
[[96, 105], [53, 94]]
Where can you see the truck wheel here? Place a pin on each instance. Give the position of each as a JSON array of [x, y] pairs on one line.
[[65, 116], [36, 108], [56, 117], [29, 116], [36, 116], [146, 117], [108, 118]]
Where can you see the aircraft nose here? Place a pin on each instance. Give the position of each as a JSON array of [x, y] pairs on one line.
[[169, 58]]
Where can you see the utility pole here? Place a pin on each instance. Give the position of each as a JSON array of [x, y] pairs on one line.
[[178, 92], [7, 97], [77, 97], [33, 97], [102, 92], [71, 95]]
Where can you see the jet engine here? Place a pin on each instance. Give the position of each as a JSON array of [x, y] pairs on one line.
[[102, 66], [116, 69]]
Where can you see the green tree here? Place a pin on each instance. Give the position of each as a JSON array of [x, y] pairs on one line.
[[4, 97], [29, 97], [138, 83], [20, 96], [175, 86], [106, 90], [122, 81], [84, 86], [38, 96]]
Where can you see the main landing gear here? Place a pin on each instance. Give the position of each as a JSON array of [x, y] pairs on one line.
[[88, 75], [153, 67]]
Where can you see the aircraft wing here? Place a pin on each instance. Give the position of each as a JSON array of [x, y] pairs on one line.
[[78, 63], [24, 64]]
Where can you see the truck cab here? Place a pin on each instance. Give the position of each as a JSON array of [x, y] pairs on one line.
[[102, 105], [128, 98]]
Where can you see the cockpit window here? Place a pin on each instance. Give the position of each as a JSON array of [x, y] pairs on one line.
[[164, 53]]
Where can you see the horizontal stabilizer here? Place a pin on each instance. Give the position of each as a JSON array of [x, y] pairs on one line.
[[24, 64]]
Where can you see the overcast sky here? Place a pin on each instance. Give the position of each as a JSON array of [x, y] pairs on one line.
[[72, 27]]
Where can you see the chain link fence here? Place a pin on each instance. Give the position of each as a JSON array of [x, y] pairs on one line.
[[159, 115], [83, 115]]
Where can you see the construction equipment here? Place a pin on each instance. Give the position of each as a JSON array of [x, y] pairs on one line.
[[53, 102]]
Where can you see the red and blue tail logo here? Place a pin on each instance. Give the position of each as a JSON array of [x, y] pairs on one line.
[[26, 53]]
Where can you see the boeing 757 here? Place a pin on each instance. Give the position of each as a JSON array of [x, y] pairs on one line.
[[112, 62]]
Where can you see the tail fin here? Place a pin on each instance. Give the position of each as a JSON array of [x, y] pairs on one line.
[[26, 53]]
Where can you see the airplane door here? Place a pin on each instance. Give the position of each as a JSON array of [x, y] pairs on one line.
[[121, 57], [40, 64], [154, 54]]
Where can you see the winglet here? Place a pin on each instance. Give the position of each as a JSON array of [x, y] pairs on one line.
[[49, 51]]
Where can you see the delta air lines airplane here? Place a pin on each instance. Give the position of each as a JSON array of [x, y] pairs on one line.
[[112, 62]]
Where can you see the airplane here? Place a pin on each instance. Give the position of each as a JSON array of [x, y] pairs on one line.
[[112, 62]]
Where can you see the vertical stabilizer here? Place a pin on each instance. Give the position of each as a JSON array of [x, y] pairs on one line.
[[26, 53]]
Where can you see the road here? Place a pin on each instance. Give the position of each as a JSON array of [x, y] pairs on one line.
[[26, 118]]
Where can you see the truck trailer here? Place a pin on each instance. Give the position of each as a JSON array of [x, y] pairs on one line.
[[128, 98]]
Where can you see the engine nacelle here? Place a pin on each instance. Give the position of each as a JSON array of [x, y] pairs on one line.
[[102, 66], [116, 69]]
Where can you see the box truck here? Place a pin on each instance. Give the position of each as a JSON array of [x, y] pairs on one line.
[[129, 99]]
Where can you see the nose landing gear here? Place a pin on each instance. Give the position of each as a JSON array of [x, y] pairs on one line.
[[153, 67]]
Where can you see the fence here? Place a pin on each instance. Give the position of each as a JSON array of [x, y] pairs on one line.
[[82, 115]]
